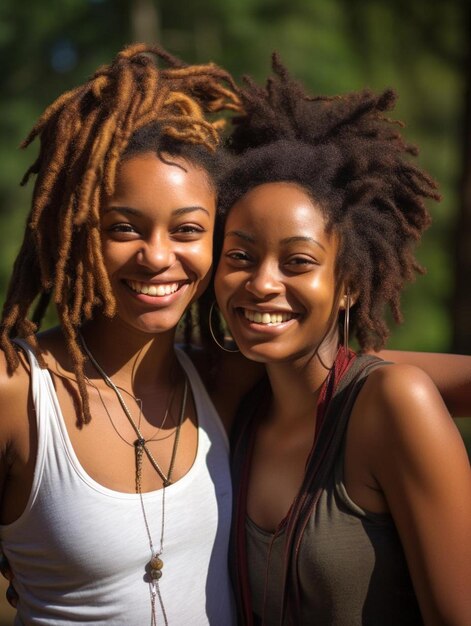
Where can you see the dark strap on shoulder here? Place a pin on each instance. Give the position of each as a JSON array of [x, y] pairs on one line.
[[319, 467]]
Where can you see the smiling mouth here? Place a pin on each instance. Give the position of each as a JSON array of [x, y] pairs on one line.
[[148, 289], [266, 318]]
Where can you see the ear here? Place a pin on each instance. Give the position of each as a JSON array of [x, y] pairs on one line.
[[348, 298]]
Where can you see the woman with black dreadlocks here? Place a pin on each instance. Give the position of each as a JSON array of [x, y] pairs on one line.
[[352, 484], [116, 494]]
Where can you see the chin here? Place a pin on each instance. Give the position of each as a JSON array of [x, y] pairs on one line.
[[271, 353], [152, 323], [264, 353]]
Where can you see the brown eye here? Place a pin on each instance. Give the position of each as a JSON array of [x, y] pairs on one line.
[[190, 229], [122, 228], [238, 256], [300, 263]]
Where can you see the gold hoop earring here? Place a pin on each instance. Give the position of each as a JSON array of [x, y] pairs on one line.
[[210, 320], [346, 320]]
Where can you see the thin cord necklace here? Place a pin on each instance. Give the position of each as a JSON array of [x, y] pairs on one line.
[[155, 564], [138, 401]]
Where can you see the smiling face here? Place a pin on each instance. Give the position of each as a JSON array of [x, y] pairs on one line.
[[275, 282], [157, 232]]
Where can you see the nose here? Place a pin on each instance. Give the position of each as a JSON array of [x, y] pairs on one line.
[[157, 253], [265, 280]]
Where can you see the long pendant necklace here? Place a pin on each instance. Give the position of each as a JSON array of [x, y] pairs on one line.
[[155, 564]]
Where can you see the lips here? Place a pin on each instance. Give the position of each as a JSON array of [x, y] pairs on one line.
[[268, 317], [154, 289]]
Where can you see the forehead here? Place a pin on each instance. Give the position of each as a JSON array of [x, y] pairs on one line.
[[145, 176], [278, 210]]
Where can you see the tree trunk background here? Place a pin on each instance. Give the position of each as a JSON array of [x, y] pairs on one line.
[[145, 23]]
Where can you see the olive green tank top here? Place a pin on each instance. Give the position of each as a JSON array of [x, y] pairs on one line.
[[349, 564]]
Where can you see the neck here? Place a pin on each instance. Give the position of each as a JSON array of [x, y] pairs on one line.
[[133, 359], [296, 384]]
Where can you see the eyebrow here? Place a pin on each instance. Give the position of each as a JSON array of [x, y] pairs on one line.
[[246, 237], [136, 212], [241, 235], [303, 238]]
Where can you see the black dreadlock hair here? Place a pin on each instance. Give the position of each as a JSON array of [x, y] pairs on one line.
[[351, 159]]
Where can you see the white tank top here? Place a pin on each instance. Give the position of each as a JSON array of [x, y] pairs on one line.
[[79, 549]]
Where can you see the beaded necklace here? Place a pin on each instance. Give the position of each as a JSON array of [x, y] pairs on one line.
[[140, 445]]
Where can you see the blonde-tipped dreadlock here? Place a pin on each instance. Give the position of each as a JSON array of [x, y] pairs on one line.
[[83, 136]]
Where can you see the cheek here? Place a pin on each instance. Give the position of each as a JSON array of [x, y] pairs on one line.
[[322, 290], [220, 286], [202, 257], [225, 285], [199, 264], [112, 258], [196, 256]]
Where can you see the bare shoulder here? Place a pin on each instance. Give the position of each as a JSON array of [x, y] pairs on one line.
[[400, 375], [394, 393], [13, 384], [14, 403], [406, 431], [15, 400], [17, 417], [400, 416], [451, 373]]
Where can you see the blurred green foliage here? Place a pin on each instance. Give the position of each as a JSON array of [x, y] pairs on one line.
[[418, 47]]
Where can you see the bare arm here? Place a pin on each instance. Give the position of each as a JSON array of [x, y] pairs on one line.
[[451, 373], [419, 462]]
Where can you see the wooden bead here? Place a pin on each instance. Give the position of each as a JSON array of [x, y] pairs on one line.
[[156, 562]]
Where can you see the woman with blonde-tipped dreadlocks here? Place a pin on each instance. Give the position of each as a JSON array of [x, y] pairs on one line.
[[116, 496], [352, 484]]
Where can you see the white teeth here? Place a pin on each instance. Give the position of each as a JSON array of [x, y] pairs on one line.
[[152, 289], [267, 318]]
